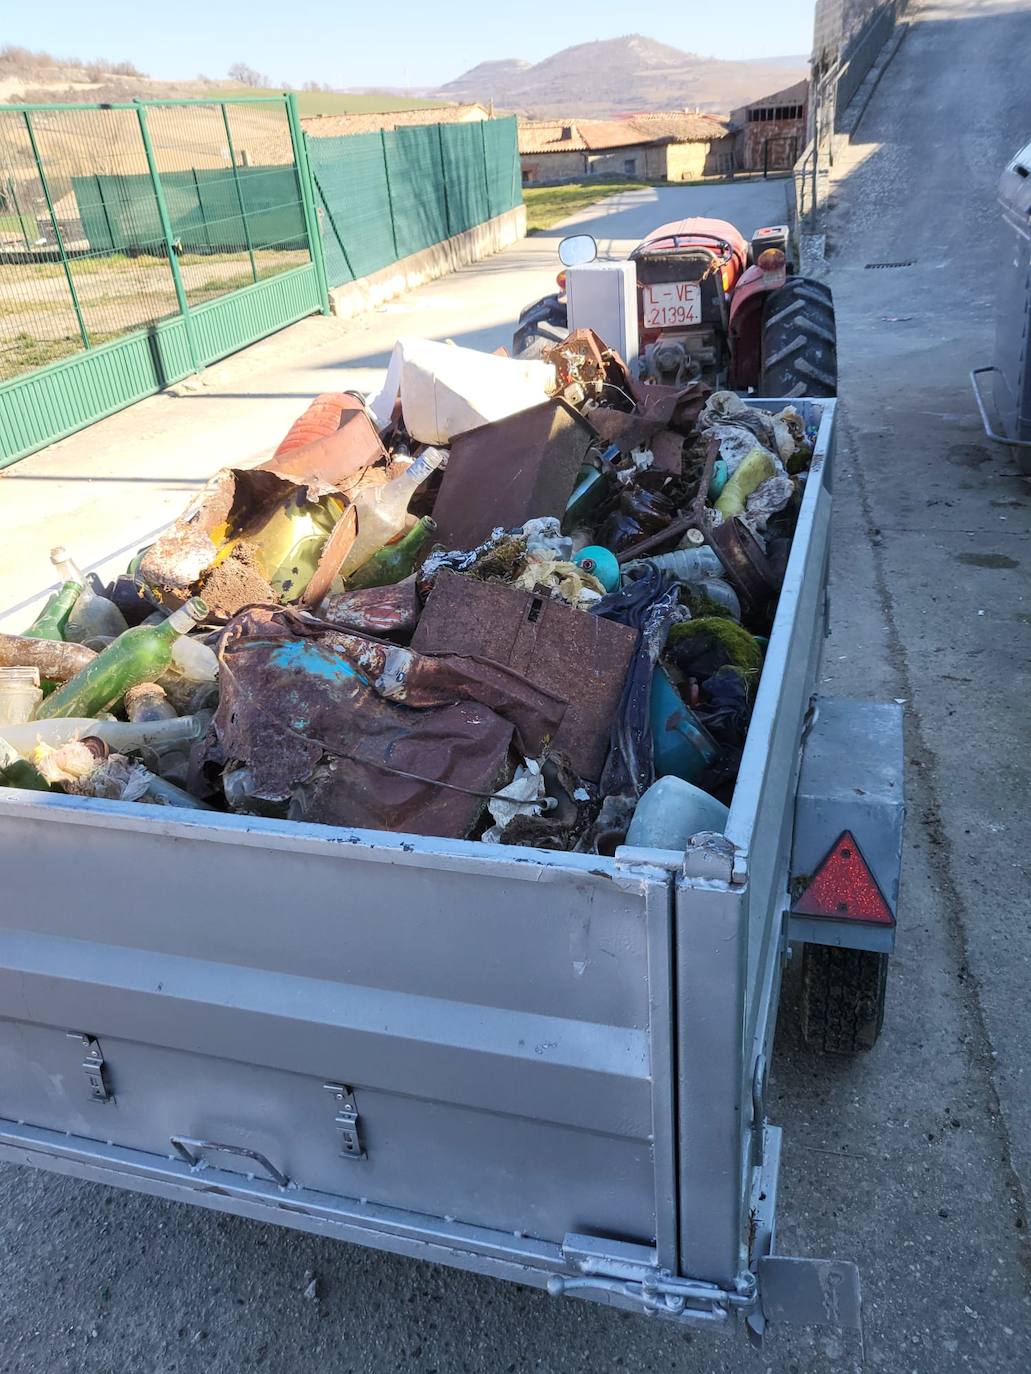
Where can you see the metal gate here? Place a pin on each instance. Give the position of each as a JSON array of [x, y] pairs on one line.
[[140, 242]]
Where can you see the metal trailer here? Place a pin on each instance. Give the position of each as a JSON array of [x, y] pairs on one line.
[[547, 1067]]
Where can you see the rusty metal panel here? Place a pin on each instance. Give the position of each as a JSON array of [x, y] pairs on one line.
[[580, 657], [511, 471]]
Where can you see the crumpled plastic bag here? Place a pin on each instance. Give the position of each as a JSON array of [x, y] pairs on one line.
[[524, 796], [767, 499], [567, 581], [446, 390]]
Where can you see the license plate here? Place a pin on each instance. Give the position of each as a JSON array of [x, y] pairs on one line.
[[672, 303]]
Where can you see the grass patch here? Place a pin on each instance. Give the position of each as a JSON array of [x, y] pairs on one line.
[[546, 205]]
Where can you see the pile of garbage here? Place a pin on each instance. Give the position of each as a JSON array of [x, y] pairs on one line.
[[522, 602]]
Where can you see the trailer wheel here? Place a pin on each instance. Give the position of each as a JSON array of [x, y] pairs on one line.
[[799, 341], [842, 998]]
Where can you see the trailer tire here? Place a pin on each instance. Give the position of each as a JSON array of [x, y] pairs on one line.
[[799, 341], [843, 994]]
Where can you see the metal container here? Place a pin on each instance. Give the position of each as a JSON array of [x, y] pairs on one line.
[[546, 1067]]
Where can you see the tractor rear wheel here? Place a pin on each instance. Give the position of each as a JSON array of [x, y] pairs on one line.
[[799, 341]]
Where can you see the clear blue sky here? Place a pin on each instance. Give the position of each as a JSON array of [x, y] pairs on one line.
[[393, 43]]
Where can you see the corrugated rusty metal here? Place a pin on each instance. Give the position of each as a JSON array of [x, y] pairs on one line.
[[579, 657], [511, 471]]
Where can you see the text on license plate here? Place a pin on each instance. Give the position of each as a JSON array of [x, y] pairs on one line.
[[672, 302]]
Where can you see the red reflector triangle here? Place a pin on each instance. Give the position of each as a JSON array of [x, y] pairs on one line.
[[844, 887]]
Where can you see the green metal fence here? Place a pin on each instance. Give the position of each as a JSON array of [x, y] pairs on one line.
[[383, 196], [139, 242]]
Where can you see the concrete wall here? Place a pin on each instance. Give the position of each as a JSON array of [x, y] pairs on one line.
[[631, 161], [660, 162], [357, 297], [552, 166], [689, 161]]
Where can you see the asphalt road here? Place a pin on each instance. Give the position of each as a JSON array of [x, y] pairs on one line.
[[914, 1160]]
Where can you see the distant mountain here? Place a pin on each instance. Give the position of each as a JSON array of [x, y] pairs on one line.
[[485, 76], [618, 75]]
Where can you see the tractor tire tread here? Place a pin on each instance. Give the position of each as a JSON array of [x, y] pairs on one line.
[[799, 341]]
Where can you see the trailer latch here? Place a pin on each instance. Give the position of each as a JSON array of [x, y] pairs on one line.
[[93, 1066], [346, 1121]]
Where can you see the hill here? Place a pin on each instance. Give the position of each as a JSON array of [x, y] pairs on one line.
[[37, 77], [617, 75]]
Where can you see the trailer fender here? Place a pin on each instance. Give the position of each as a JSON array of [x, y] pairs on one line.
[[846, 852]]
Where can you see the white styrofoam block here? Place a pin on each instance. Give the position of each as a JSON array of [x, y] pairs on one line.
[[603, 296]]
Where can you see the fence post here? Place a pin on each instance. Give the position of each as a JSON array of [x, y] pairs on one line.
[[239, 193], [166, 229], [57, 232], [443, 181], [311, 219], [486, 176], [390, 194]]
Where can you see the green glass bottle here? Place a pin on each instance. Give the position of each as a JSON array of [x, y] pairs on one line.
[[52, 619], [139, 655], [392, 562], [21, 773]]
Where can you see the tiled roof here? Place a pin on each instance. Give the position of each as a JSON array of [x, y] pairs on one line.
[[682, 126], [596, 135], [580, 135], [791, 95], [332, 126]]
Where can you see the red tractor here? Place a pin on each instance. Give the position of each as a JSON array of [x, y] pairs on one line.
[[711, 306]]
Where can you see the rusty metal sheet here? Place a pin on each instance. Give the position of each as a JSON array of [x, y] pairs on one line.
[[671, 406], [579, 657], [748, 569], [330, 461], [353, 731], [511, 471]]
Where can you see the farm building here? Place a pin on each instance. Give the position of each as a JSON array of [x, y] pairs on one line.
[[673, 146], [772, 131]]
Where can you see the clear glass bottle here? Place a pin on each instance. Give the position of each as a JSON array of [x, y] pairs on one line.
[[93, 616], [381, 510]]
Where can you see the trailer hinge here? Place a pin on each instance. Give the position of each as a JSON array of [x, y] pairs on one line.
[[93, 1066], [632, 1273], [347, 1121]]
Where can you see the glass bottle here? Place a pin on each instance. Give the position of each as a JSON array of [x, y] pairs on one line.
[[93, 616], [140, 655], [50, 622], [394, 561], [381, 510]]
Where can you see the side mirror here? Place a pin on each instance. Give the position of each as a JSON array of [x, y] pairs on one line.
[[577, 249]]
